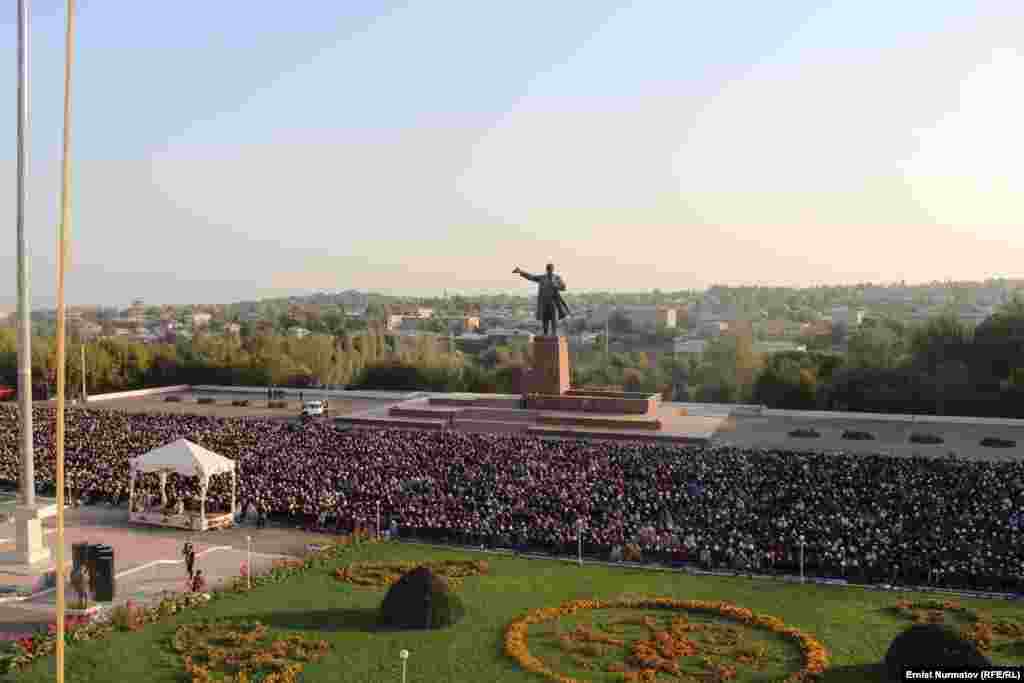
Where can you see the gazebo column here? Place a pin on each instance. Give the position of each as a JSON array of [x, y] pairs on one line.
[[204, 484], [163, 489], [131, 491], [234, 481]]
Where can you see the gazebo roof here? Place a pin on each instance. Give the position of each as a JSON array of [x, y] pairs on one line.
[[183, 457]]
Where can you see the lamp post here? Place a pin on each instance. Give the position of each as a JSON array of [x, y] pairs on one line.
[[801, 558], [248, 562], [378, 520], [28, 492], [579, 540], [404, 655]]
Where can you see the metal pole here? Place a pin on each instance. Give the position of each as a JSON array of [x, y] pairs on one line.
[[28, 491], [378, 520], [85, 395], [579, 540], [248, 561], [801, 558], [62, 257]]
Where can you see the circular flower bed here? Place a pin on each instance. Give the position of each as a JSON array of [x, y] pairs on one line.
[[977, 627], [805, 433], [237, 652], [648, 657], [926, 438], [855, 435], [993, 442], [384, 574]]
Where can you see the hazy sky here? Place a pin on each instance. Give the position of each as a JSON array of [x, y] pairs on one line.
[[229, 150]]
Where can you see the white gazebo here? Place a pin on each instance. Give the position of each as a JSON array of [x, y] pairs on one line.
[[186, 459]]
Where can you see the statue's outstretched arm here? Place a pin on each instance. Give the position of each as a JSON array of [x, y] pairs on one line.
[[531, 278]]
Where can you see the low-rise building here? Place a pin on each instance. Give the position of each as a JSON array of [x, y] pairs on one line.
[[770, 347], [199, 319], [298, 332]]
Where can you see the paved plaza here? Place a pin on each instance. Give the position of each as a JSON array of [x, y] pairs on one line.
[[147, 560]]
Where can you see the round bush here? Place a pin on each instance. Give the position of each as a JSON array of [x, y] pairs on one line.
[[277, 404], [172, 399], [805, 433], [931, 646], [241, 403], [926, 438], [854, 435], [993, 442], [420, 600], [206, 400]]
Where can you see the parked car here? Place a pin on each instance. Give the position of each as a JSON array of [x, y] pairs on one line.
[[314, 409]]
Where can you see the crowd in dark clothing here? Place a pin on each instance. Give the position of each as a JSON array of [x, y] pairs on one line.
[[940, 521]]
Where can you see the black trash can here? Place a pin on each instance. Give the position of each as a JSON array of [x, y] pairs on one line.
[[91, 554], [79, 553], [105, 587]]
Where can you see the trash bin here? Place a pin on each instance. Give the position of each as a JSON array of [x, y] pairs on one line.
[[105, 574], [79, 553], [91, 552]]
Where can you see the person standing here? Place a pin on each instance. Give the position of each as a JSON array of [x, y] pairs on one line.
[[261, 514], [198, 582], [190, 557]]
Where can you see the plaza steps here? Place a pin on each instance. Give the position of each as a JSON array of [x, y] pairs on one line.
[[602, 422], [385, 421], [506, 402], [491, 426], [498, 414], [617, 435]]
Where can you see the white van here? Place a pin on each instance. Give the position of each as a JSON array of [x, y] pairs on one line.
[[314, 408]]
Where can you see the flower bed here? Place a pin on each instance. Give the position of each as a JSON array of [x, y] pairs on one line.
[[206, 400], [172, 399], [926, 438], [236, 652], [647, 657], [21, 652], [805, 433], [975, 626], [277, 404], [993, 442], [240, 402], [856, 435], [384, 574]]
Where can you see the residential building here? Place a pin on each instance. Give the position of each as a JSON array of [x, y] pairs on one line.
[[424, 313], [639, 316], [393, 322], [778, 327], [503, 336], [712, 328], [233, 329], [457, 324], [298, 332], [199, 319], [689, 347], [818, 328], [847, 317]]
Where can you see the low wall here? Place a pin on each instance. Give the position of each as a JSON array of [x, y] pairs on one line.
[[312, 394], [139, 392], [584, 391]]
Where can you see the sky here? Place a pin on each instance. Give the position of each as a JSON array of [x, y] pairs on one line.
[[229, 151]]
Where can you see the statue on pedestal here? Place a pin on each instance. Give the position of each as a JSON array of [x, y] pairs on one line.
[[550, 306]]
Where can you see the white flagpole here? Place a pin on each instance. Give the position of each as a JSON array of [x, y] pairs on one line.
[[28, 491]]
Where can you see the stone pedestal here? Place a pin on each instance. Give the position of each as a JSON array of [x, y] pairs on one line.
[[550, 372], [31, 555]]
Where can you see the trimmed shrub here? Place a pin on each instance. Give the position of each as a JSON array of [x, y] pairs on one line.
[[172, 399], [931, 646], [206, 400], [855, 435], [240, 402], [993, 442], [420, 600], [926, 438], [277, 404], [805, 433]]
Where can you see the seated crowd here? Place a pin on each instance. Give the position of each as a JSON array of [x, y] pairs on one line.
[[943, 521]]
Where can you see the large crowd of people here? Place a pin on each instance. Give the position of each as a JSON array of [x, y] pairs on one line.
[[940, 521]]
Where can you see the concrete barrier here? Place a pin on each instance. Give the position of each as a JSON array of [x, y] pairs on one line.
[[311, 394], [138, 392]]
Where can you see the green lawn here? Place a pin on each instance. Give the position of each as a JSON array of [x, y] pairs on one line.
[[853, 624]]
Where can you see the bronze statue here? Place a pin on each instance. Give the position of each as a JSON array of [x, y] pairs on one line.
[[550, 306]]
